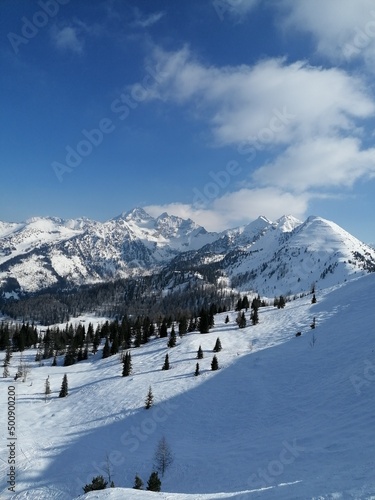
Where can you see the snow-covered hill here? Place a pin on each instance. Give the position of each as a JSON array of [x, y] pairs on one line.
[[271, 258], [285, 417]]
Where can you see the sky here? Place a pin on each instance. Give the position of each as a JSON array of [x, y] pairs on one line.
[[217, 110]]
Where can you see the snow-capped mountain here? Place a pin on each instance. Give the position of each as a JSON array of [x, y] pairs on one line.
[[44, 252], [285, 256]]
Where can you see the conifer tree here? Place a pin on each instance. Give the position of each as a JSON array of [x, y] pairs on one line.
[[241, 320], [97, 483], [172, 338], [64, 387], [199, 353], [313, 300], [149, 399], [127, 365], [138, 483], [163, 330], [214, 364], [106, 349], [204, 321], [281, 302], [217, 347], [196, 373], [245, 303], [227, 319], [182, 326], [166, 363], [254, 316], [154, 483]]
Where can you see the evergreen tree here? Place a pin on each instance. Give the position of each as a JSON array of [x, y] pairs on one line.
[[196, 373], [138, 483], [182, 326], [214, 364], [47, 389], [241, 320], [254, 316], [154, 483], [106, 349], [163, 330], [149, 399], [204, 321], [199, 353], [217, 347], [172, 338], [281, 302], [227, 319], [245, 303], [54, 362], [98, 483], [127, 365], [313, 300], [64, 387], [166, 363]]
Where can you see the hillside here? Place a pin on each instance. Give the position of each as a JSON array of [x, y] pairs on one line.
[[283, 418]]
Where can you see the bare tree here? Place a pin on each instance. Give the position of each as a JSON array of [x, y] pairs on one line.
[[163, 457]]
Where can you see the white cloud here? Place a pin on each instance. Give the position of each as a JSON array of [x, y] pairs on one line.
[[319, 163], [343, 29], [238, 208], [147, 21], [310, 120], [237, 9], [67, 39], [240, 102]]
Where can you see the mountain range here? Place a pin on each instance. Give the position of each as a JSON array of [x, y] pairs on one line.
[[270, 258]]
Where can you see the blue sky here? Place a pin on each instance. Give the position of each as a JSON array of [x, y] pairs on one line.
[[218, 110]]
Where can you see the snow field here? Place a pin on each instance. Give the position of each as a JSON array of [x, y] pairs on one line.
[[283, 418]]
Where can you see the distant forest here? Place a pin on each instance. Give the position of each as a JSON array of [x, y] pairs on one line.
[[172, 294]]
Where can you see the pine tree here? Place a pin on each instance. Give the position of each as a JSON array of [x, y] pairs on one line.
[[313, 300], [196, 373], [172, 338], [204, 321], [149, 399], [281, 302], [227, 319], [163, 330], [182, 326], [154, 483], [47, 389], [138, 483], [241, 320], [64, 387], [245, 303], [127, 365], [166, 363], [254, 316], [214, 364], [106, 349], [98, 483], [199, 353], [217, 347]]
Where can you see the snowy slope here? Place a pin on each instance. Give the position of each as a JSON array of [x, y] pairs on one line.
[[284, 417], [290, 257]]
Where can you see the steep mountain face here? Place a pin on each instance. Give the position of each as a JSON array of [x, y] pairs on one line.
[[52, 252], [271, 258]]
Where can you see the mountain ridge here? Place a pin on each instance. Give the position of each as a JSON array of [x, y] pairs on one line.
[[287, 255]]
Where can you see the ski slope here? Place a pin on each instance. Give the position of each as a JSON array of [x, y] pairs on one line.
[[283, 418]]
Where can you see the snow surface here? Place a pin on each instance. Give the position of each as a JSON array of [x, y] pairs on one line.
[[283, 418]]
